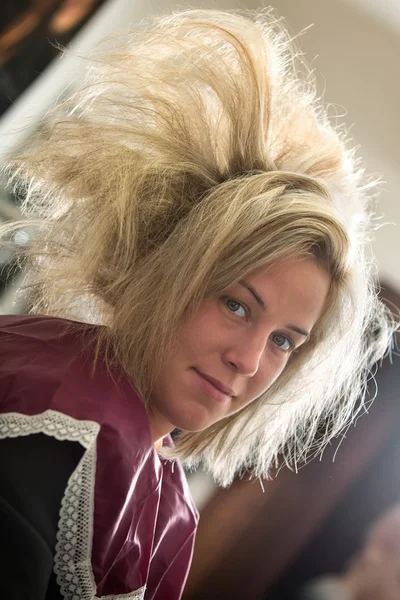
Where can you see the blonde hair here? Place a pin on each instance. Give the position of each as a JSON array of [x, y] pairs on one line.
[[195, 153]]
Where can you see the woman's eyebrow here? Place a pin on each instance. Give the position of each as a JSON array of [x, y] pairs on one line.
[[256, 295], [261, 303]]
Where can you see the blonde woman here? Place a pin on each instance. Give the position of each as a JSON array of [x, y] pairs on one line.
[[199, 263]]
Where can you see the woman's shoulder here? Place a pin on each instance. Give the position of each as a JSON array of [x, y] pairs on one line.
[[38, 349], [47, 363], [41, 346], [41, 329]]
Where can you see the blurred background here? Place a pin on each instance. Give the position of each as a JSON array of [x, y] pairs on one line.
[[252, 543]]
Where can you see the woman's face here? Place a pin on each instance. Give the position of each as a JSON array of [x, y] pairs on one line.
[[237, 345]]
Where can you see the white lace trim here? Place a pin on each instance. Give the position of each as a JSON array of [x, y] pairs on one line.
[[72, 560], [138, 595]]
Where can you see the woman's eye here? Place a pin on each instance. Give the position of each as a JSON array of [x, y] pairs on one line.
[[236, 307], [282, 341]]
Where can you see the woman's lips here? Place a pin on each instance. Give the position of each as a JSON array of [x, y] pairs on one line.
[[216, 390]]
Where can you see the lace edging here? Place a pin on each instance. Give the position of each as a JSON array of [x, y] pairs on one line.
[[138, 595], [72, 560]]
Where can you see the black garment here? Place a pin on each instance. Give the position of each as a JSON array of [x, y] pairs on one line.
[[34, 471]]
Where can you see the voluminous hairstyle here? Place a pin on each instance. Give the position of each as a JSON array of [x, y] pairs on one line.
[[195, 152]]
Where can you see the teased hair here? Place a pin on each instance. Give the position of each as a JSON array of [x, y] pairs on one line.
[[195, 152]]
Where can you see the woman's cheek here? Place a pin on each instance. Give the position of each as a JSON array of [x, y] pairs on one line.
[[274, 364]]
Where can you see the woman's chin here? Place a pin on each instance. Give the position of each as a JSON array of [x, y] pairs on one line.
[[193, 426], [194, 421]]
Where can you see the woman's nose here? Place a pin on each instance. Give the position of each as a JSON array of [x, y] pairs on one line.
[[245, 355]]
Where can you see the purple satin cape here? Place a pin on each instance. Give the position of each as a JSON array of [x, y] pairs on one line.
[[127, 522]]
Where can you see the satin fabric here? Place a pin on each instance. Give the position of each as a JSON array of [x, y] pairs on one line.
[[144, 519]]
